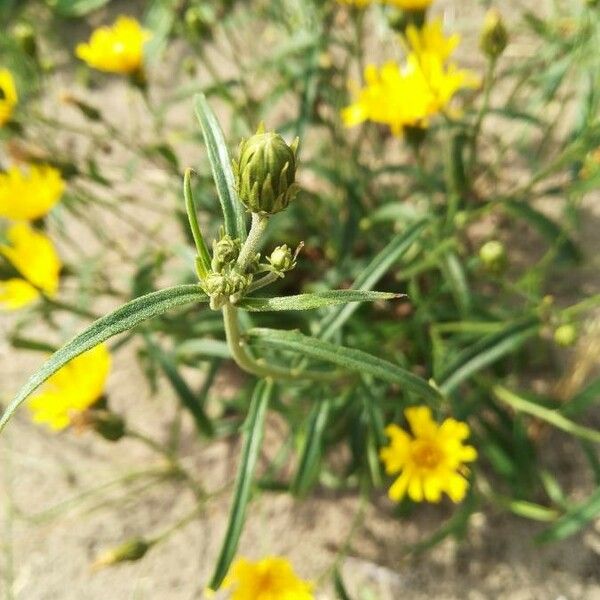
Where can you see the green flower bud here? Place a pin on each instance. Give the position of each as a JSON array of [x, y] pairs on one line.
[[399, 20], [494, 36], [266, 172], [225, 251], [109, 425], [493, 256], [565, 335], [131, 550], [24, 34], [216, 284], [282, 259]]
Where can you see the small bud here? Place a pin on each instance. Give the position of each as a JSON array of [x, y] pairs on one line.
[[493, 256], [109, 425], [200, 19], [266, 172], [216, 284], [225, 251], [399, 20], [131, 550], [24, 34], [565, 335], [282, 259], [461, 218], [494, 36]]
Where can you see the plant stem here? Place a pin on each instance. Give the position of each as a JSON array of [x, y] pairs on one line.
[[260, 367], [262, 282], [252, 243]]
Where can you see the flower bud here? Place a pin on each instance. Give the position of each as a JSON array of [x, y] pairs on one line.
[[131, 550], [493, 256], [494, 36], [24, 34], [565, 335], [266, 172], [225, 251], [109, 425], [282, 259]]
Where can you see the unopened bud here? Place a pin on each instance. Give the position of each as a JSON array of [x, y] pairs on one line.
[[494, 36], [266, 172], [25, 36], [565, 335], [225, 251], [109, 425], [493, 256], [282, 259], [131, 550]]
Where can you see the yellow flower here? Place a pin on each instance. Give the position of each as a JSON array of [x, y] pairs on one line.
[[116, 49], [34, 256], [408, 95], [402, 4], [72, 389], [29, 194], [431, 461], [8, 96], [271, 578]]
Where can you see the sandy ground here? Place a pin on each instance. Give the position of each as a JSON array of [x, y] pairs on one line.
[[55, 524]]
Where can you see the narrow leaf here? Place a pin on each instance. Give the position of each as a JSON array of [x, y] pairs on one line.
[[340, 588], [312, 449], [233, 210], [554, 417], [253, 434], [190, 349], [126, 317], [376, 269], [347, 358], [573, 520], [485, 352], [313, 301]]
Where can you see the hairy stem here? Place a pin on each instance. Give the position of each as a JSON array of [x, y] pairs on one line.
[[252, 243]]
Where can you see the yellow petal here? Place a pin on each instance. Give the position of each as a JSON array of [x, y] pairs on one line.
[[17, 293]]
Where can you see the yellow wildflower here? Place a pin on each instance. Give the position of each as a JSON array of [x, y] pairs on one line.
[[29, 194], [34, 256], [271, 578], [431, 461], [72, 389], [116, 49], [8, 96], [408, 95], [402, 4]]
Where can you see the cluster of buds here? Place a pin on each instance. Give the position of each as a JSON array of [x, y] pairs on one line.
[[265, 175]]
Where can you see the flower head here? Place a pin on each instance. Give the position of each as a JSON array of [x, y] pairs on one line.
[[431, 461], [116, 49], [409, 94], [33, 255], [271, 578], [72, 389], [29, 194], [8, 96]]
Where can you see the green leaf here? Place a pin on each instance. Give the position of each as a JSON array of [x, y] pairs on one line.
[[347, 358], [126, 317], [552, 231], [583, 400], [159, 19], [312, 449], [573, 520], [77, 8], [554, 417], [485, 352], [376, 269], [233, 210], [313, 301], [191, 349], [253, 434], [338, 584], [187, 397]]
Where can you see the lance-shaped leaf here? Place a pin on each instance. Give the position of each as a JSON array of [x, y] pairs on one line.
[[347, 358], [314, 301], [126, 317], [375, 270], [233, 210], [253, 434], [487, 351]]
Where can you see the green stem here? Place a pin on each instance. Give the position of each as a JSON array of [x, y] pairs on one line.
[[259, 367], [252, 243], [262, 282]]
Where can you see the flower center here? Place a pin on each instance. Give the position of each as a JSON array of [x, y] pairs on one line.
[[426, 454]]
